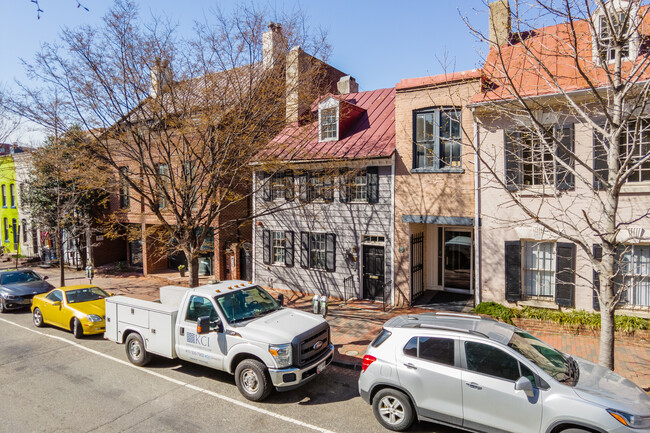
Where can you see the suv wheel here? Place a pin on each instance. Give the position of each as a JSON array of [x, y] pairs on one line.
[[393, 409]]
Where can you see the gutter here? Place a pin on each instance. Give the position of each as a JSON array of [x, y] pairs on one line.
[[392, 230]]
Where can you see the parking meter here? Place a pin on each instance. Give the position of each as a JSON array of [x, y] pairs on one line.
[[323, 305], [315, 301], [90, 273]]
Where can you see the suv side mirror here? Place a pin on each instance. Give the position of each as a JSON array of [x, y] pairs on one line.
[[281, 299], [524, 384]]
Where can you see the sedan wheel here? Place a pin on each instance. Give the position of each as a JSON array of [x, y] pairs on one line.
[[38, 318]]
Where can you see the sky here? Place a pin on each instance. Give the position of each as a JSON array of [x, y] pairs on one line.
[[378, 42]]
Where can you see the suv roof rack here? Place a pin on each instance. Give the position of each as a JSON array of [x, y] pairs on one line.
[[446, 328]]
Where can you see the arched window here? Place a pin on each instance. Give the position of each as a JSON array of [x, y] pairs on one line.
[[4, 195], [12, 192]]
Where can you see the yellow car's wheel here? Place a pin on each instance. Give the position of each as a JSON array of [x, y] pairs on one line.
[[38, 318], [76, 328]]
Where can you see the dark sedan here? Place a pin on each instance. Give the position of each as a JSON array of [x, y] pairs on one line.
[[18, 287]]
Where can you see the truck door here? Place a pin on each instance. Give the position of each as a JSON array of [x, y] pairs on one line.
[[207, 349]]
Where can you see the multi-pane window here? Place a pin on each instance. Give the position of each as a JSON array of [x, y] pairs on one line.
[[359, 186], [163, 172], [277, 186], [12, 194], [537, 160], [124, 188], [635, 145], [317, 251], [6, 229], [329, 123], [4, 195], [635, 270], [539, 268], [321, 187], [437, 141], [278, 247], [24, 224], [14, 226], [608, 36]]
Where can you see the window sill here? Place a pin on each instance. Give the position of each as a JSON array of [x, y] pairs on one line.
[[437, 170], [635, 187], [537, 191], [539, 303]]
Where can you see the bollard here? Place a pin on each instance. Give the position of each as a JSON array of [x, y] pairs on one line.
[[323, 305], [315, 304]]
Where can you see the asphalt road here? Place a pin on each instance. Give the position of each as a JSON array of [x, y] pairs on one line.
[[51, 382]]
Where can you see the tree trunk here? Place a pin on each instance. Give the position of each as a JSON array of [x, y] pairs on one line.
[[606, 350], [192, 268], [59, 252]]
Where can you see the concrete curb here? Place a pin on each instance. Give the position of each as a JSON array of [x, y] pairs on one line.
[[350, 365]]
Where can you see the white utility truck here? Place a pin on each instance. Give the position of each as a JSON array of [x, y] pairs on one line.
[[233, 326]]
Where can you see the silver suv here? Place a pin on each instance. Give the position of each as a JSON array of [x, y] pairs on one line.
[[482, 375]]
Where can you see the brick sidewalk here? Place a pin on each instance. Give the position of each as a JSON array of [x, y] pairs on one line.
[[355, 324]]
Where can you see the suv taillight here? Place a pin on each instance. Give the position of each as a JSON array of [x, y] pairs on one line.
[[367, 360]]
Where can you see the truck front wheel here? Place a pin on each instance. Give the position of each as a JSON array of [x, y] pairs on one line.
[[253, 380], [135, 350]]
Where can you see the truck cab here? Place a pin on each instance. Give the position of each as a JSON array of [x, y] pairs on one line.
[[233, 326]]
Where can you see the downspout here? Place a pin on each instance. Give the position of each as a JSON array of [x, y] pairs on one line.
[[392, 230], [254, 231], [477, 215]]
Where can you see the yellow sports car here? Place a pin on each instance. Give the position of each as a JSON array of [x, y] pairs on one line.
[[81, 309]]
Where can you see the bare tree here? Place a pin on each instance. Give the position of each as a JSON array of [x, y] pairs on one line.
[[8, 122], [567, 68], [179, 121]]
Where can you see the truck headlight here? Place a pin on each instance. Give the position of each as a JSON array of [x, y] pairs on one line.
[[94, 318], [632, 421], [281, 353]]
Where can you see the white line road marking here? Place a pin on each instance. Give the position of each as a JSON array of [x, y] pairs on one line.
[[177, 382]]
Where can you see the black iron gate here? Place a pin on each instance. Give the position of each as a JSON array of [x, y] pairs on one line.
[[417, 268]]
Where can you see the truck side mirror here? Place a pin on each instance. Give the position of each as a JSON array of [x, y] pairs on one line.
[[281, 299], [203, 325]]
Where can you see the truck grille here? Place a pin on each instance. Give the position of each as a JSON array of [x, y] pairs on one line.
[[309, 348]]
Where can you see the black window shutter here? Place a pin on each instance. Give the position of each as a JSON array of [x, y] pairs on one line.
[[266, 186], [598, 255], [513, 270], [266, 246], [565, 274], [304, 249], [330, 252], [600, 161], [344, 190], [511, 158], [564, 178], [288, 248], [288, 185], [372, 178]]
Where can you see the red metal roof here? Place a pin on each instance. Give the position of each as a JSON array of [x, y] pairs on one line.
[[564, 50], [371, 136], [410, 83]]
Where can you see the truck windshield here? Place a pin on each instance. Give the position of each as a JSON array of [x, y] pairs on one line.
[[246, 304]]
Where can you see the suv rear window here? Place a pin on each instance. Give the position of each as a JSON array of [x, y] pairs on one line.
[[440, 350], [383, 336]]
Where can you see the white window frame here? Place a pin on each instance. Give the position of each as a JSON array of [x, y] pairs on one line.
[[327, 106], [278, 247], [636, 274], [318, 256]]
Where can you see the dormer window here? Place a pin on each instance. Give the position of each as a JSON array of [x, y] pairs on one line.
[[328, 120], [616, 30], [607, 51]]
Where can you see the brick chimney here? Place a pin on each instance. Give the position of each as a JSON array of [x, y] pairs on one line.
[[274, 45], [500, 25], [297, 67], [347, 84], [161, 78]]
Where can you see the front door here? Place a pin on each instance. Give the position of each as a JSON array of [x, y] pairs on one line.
[[373, 272], [207, 349], [458, 260]]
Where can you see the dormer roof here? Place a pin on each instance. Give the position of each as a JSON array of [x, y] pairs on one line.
[[367, 130]]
